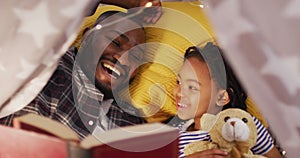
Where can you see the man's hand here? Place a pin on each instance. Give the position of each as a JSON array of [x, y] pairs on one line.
[[152, 12]]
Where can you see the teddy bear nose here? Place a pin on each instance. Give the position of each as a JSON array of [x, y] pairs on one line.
[[232, 123]]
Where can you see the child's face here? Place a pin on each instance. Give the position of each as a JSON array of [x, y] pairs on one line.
[[195, 92]]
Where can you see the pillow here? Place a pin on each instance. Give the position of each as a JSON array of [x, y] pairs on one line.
[[89, 21], [174, 32], [182, 25]]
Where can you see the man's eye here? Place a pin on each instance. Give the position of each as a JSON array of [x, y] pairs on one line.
[[136, 55], [116, 43]]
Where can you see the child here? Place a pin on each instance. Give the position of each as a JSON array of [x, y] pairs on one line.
[[206, 84]]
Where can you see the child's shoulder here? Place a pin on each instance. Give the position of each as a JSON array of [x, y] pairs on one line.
[[256, 121]]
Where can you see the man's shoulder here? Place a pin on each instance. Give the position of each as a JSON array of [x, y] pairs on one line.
[[68, 59], [59, 84], [125, 114], [63, 72], [127, 107]]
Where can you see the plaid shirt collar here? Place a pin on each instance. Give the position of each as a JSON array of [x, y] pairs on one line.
[[89, 100]]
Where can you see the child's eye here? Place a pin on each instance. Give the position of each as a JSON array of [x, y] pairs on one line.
[[193, 88], [178, 82]]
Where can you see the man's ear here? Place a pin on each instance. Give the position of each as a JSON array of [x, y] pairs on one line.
[[223, 97]]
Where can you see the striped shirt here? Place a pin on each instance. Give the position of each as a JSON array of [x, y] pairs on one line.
[[70, 98], [263, 144]]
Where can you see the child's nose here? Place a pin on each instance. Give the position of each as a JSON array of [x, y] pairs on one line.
[[180, 91]]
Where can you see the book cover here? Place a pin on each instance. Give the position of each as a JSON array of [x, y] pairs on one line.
[[146, 140], [17, 143]]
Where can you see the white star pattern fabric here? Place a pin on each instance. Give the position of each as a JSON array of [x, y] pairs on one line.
[[29, 20], [34, 34], [266, 58]]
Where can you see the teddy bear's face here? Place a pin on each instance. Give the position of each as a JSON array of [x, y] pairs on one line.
[[235, 129], [233, 126]]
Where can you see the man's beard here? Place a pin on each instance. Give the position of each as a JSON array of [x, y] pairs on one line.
[[107, 91]]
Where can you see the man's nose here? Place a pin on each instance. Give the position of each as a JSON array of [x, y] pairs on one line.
[[121, 57]]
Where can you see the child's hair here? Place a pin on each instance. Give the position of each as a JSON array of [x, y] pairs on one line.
[[221, 73]]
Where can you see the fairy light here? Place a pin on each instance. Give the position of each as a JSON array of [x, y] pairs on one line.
[[98, 27], [149, 4]]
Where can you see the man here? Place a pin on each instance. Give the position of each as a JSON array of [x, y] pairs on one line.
[[80, 93]]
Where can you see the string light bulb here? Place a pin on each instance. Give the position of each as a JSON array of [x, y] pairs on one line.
[[149, 4], [98, 27]]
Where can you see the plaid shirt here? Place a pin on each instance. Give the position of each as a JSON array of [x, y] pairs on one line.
[[70, 98]]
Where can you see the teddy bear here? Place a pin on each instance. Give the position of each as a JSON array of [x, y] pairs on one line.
[[232, 130]]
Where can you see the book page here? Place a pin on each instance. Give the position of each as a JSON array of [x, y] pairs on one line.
[[41, 124], [134, 138]]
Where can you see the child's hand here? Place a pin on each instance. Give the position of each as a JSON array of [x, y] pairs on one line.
[[215, 153]]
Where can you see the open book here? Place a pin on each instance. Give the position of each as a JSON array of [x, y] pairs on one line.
[[38, 136]]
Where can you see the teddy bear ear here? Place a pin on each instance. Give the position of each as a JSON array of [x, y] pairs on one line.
[[208, 121]]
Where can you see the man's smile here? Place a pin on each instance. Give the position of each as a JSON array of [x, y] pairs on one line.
[[114, 72]]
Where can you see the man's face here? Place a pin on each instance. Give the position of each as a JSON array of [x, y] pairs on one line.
[[121, 55]]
